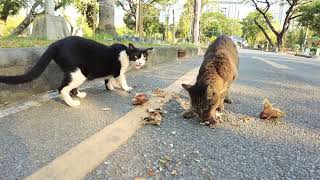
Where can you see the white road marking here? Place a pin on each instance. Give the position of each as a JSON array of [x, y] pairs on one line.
[[86, 156], [273, 64], [37, 101]]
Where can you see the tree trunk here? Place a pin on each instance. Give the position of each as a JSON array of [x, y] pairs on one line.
[[196, 21], [264, 32], [90, 15], [106, 17], [28, 20], [279, 41]]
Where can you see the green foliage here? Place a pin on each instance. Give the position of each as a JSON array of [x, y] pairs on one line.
[[310, 16], [124, 30], [184, 25], [87, 31], [12, 22], [89, 9], [102, 37], [294, 37], [129, 21], [236, 27], [251, 32], [10, 7], [213, 24], [151, 22]]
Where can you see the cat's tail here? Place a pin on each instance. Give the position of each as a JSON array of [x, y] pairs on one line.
[[34, 72]]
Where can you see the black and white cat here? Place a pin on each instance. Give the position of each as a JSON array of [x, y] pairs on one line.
[[82, 59]]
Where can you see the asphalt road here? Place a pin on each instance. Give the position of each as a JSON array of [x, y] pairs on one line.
[[288, 148]]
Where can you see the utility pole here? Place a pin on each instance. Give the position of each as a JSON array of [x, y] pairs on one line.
[[140, 19], [167, 27], [196, 21], [137, 18], [173, 27]]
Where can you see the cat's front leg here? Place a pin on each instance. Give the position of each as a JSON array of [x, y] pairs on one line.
[[121, 79]]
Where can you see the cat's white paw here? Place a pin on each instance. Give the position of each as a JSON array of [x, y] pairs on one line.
[[110, 86], [82, 94], [128, 89], [73, 103]]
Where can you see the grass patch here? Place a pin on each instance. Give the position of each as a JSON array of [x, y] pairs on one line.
[[27, 42], [23, 42]]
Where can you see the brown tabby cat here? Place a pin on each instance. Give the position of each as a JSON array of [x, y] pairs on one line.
[[218, 70]]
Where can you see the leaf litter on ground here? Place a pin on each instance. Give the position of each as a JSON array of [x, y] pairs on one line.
[[139, 99], [159, 93], [154, 117], [270, 112]]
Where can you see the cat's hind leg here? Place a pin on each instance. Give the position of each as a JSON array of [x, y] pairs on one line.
[[108, 84], [70, 82], [77, 93]]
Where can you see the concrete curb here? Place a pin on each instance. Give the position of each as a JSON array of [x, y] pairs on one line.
[[14, 61]]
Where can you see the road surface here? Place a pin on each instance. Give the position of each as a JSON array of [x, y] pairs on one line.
[[39, 134]]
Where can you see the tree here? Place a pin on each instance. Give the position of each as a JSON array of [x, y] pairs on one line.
[[183, 29], [7, 8], [10, 7], [213, 24], [151, 14], [130, 8], [151, 22], [292, 12], [249, 29], [184, 25], [253, 26], [88, 9], [310, 16], [196, 21], [294, 37], [106, 17]]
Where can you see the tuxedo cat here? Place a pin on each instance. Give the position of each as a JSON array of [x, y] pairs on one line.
[[82, 59]]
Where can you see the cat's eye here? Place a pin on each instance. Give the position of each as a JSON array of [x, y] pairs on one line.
[[206, 108]]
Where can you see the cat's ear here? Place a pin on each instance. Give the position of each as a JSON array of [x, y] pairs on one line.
[[148, 50], [210, 92], [187, 86], [131, 46]]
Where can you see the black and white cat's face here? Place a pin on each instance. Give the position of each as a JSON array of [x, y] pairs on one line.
[[138, 56]]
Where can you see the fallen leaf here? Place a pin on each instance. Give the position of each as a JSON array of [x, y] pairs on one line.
[[168, 158], [150, 172], [174, 172], [162, 161], [269, 111], [159, 93], [184, 104], [106, 109], [139, 178], [246, 118], [153, 119], [234, 124], [139, 99]]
